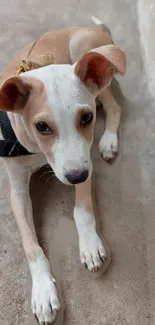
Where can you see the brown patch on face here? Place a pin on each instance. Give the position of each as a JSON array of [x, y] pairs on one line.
[[46, 141], [94, 70], [37, 110], [87, 131]]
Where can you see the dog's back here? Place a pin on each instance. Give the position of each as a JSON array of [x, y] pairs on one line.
[[66, 46]]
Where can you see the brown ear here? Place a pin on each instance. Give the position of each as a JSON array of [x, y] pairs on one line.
[[14, 93], [96, 68], [115, 55], [95, 71]]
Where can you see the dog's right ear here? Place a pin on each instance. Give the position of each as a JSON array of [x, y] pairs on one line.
[[14, 94]]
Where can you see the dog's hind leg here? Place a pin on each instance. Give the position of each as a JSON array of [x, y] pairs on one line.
[[108, 145], [45, 303], [84, 41]]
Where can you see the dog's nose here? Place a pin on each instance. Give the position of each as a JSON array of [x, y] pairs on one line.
[[77, 176]]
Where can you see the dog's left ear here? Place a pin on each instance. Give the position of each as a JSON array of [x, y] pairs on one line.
[[96, 68]]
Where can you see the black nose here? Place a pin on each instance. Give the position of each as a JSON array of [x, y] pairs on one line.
[[77, 176]]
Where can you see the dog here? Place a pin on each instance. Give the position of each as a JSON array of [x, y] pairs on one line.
[[52, 111]]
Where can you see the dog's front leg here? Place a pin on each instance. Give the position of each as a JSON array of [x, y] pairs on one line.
[[45, 303], [92, 251], [109, 142]]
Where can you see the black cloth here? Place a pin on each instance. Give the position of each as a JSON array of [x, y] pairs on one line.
[[10, 146]]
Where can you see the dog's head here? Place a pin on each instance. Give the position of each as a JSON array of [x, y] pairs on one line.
[[57, 105]]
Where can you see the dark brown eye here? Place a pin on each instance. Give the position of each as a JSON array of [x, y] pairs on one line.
[[86, 118], [43, 128]]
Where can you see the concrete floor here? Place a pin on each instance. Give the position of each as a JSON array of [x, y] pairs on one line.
[[125, 295], [146, 13]]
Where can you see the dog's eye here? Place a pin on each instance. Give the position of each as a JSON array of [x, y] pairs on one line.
[[43, 128], [86, 118]]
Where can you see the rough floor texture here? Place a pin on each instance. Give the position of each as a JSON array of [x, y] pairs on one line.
[[125, 295], [146, 19]]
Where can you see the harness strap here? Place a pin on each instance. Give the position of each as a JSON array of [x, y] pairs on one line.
[[10, 146], [6, 128]]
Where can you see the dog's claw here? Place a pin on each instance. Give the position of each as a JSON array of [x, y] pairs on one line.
[[103, 258], [94, 269]]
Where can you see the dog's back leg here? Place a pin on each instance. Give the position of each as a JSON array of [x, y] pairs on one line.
[[45, 303], [85, 40]]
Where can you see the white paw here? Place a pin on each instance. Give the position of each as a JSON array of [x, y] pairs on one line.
[[92, 251], [45, 302], [108, 145]]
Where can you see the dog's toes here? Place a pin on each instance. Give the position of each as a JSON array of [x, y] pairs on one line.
[[92, 252], [108, 146], [45, 303]]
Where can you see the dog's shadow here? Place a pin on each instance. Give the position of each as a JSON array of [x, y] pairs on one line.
[[53, 213]]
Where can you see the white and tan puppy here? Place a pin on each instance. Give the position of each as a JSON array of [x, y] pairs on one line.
[[52, 112]]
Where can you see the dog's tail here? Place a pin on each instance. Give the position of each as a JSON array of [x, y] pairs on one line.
[[96, 21], [99, 23]]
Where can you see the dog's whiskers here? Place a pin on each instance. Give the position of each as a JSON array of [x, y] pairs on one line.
[[47, 172], [49, 178], [47, 166]]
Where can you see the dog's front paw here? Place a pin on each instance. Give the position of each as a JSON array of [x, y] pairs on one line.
[[92, 251], [45, 302], [108, 145]]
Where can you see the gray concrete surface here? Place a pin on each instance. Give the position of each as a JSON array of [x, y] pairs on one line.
[[125, 295], [146, 22]]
